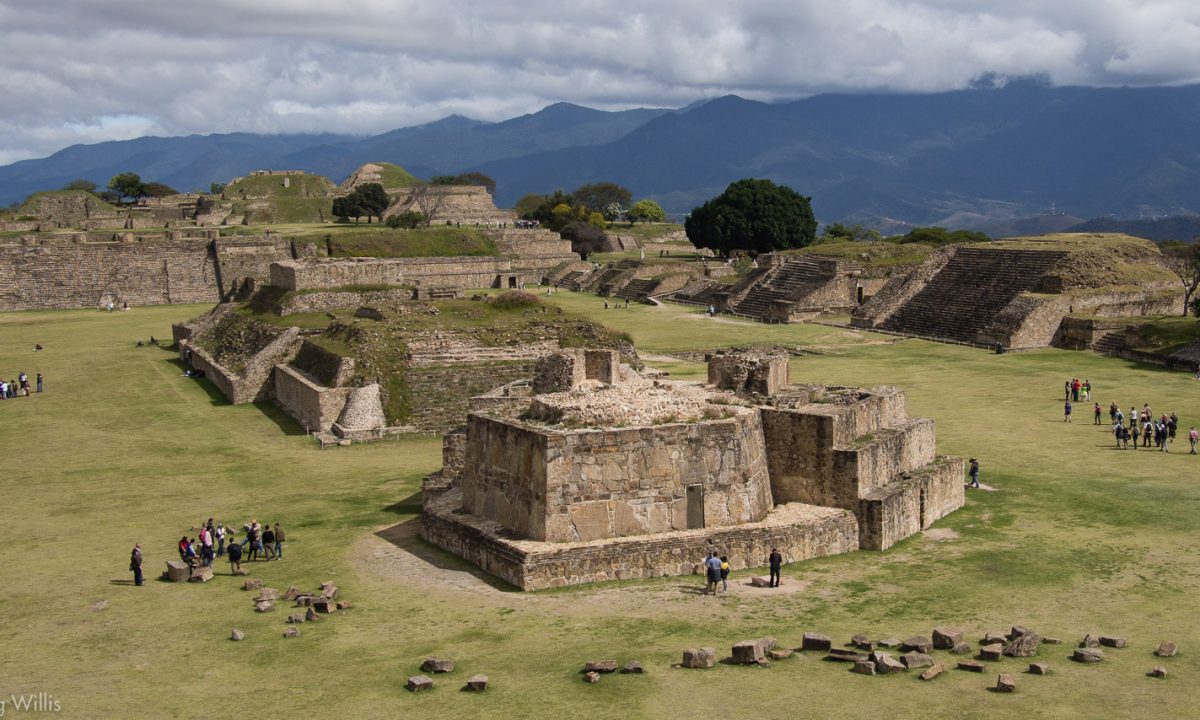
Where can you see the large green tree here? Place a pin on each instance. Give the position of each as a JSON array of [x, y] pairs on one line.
[[127, 185], [367, 200], [646, 211], [598, 196], [753, 215]]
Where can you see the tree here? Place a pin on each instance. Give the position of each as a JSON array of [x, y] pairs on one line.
[[754, 215], [837, 232], [127, 185], [646, 211], [408, 220], [478, 179], [585, 238], [373, 199], [1184, 261], [429, 200], [84, 185], [158, 190], [598, 196], [216, 188], [938, 236], [348, 207], [528, 205]]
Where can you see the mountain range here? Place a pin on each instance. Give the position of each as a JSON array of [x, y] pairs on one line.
[[973, 158]]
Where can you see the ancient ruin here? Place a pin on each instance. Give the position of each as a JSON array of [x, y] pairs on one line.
[[589, 471]]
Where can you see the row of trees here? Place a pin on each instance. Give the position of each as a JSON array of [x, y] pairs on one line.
[[127, 185]]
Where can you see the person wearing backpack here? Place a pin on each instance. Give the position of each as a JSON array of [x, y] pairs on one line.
[[235, 556], [725, 573]]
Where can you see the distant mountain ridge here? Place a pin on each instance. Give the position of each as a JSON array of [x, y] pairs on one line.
[[967, 158]]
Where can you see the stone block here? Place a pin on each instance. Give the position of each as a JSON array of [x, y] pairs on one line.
[[840, 655], [329, 593], [862, 642], [419, 682], [816, 641], [237, 635], [779, 654], [886, 664], [201, 574], [295, 619], [991, 652], [1087, 655], [264, 606], [863, 667], [917, 644], [1051, 641], [437, 665], [933, 671], [267, 594], [1089, 641], [252, 584], [600, 666], [291, 633], [240, 572], [633, 667], [1023, 645], [343, 605], [1018, 631], [971, 666], [961, 649], [1006, 684], [1039, 668], [748, 652], [703, 657], [889, 643], [291, 593], [994, 638], [1113, 642], [310, 615], [477, 683], [1158, 672], [913, 660], [945, 638], [760, 582], [591, 677], [1166, 649], [177, 571], [324, 605]]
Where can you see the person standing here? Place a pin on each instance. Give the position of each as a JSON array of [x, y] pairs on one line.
[[135, 564], [220, 534], [268, 542], [1096, 415], [252, 538], [712, 567], [279, 538], [725, 573], [973, 471], [1067, 411], [1193, 438], [235, 556], [775, 561], [39, 382]]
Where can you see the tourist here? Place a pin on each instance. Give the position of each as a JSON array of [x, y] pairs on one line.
[[1147, 432], [775, 561], [268, 543], [973, 471], [713, 571], [1172, 424], [252, 538], [39, 382], [1136, 431], [1113, 412], [279, 538], [1192, 438], [1096, 416], [235, 556], [135, 564], [183, 548], [3, 389], [1162, 432], [1067, 390], [1133, 416], [220, 535], [1120, 419], [1075, 389], [1067, 411], [1087, 389], [725, 573], [206, 545]]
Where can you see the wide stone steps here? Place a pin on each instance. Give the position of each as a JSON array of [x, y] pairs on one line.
[[636, 289], [570, 280], [968, 293]]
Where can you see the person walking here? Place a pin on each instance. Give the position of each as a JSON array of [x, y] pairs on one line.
[[713, 571], [1193, 437], [973, 471], [1096, 415], [235, 557], [268, 543], [279, 538], [725, 573], [775, 561], [135, 564], [1134, 430], [1067, 411]]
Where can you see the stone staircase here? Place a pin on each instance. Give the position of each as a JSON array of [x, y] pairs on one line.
[[571, 280], [1110, 343], [436, 350], [784, 282], [636, 289], [967, 294]]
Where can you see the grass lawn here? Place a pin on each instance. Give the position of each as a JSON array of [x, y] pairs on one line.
[[1078, 537]]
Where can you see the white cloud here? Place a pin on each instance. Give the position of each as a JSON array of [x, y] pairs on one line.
[[364, 66]]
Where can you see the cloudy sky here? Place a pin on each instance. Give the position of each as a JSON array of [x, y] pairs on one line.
[[81, 71]]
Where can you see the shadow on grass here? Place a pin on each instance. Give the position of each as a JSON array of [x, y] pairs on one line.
[[406, 536], [410, 505], [282, 420], [215, 396]]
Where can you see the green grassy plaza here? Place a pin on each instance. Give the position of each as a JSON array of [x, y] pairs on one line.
[[1076, 537]]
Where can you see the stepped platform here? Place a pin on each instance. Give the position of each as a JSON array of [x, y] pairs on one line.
[[636, 290]]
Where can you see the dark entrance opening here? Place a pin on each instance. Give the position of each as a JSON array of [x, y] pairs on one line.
[[860, 294], [695, 507]]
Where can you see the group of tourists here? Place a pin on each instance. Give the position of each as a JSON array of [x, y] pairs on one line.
[[716, 568], [1143, 425], [263, 542], [18, 387], [1076, 390]]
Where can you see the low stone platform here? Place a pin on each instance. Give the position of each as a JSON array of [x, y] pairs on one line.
[[800, 532]]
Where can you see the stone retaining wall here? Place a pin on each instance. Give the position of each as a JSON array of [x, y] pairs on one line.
[[253, 383], [316, 407], [904, 507]]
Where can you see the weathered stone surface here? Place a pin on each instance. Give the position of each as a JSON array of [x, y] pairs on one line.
[[994, 638], [703, 657], [304, 600], [914, 660], [477, 683], [633, 667], [1051, 641], [343, 605], [264, 606], [886, 664], [1039, 668], [1089, 641], [591, 677], [437, 665], [1113, 642], [862, 642], [329, 593], [838, 654], [863, 667], [1006, 684], [295, 619], [816, 641], [601, 666], [991, 652], [1087, 655], [918, 644], [240, 572], [748, 652], [779, 654], [237, 635], [310, 615], [945, 638], [291, 593], [961, 649], [933, 671], [267, 594], [1166, 649], [419, 682], [291, 633], [177, 571], [252, 584], [971, 666], [760, 582], [1158, 672], [1018, 631], [324, 605], [201, 574], [1025, 645], [889, 643]]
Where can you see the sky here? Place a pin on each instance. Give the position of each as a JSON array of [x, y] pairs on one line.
[[83, 71]]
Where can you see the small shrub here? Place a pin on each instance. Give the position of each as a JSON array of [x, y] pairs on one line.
[[515, 299]]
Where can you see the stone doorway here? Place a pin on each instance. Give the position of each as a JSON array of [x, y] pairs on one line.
[[695, 507]]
